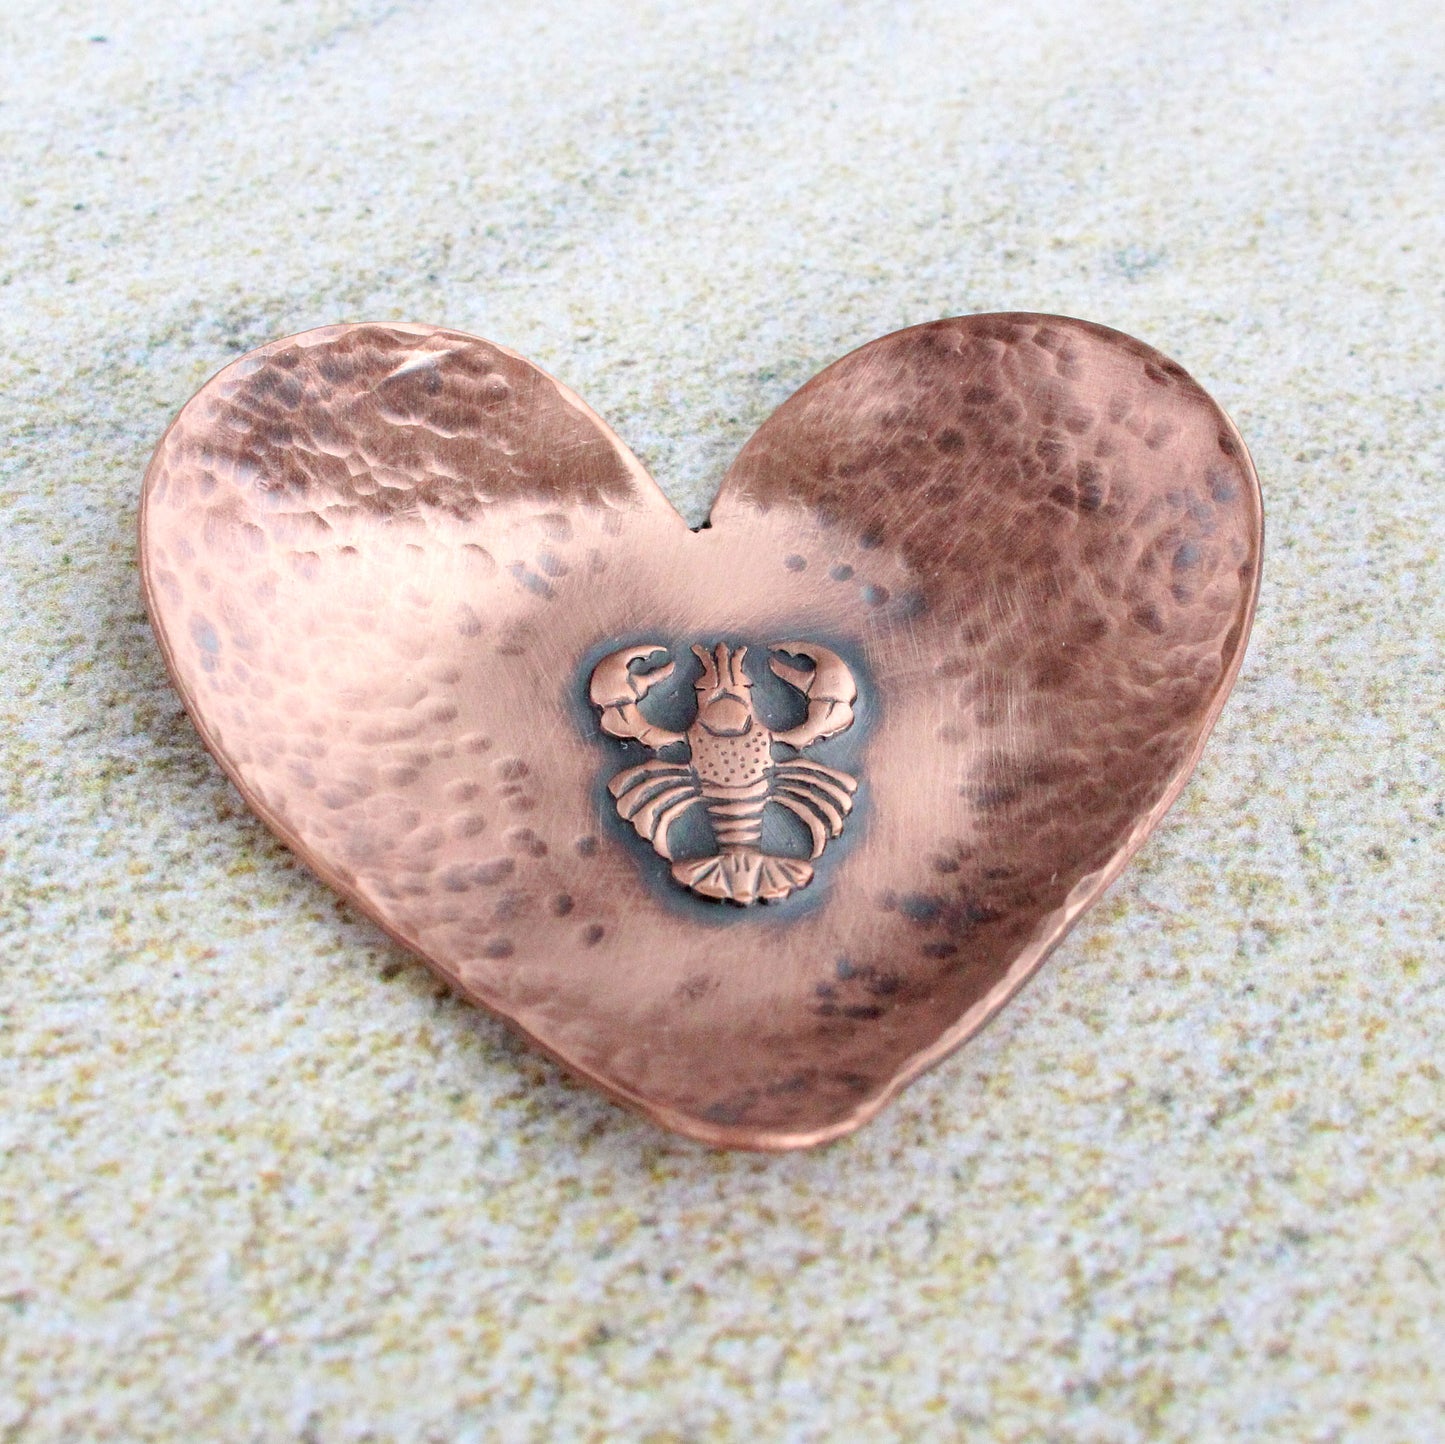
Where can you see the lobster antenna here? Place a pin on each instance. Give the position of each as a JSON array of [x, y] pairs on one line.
[[709, 676]]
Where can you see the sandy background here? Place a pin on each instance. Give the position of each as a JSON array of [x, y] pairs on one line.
[[258, 1181]]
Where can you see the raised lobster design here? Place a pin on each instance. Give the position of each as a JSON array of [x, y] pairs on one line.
[[730, 766]]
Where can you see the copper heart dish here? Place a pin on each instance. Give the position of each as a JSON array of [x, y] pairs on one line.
[[747, 826]]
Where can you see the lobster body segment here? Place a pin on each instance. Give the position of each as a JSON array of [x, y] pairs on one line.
[[731, 768]]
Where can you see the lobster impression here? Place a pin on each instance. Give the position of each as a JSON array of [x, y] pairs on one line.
[[731, 769]]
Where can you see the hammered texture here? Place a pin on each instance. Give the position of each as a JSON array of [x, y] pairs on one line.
[[1082, 529], [382, 560]]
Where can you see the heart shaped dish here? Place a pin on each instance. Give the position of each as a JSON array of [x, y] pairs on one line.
[[750, 825]]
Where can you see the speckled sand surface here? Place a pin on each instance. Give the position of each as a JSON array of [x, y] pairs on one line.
[[261, 1182]]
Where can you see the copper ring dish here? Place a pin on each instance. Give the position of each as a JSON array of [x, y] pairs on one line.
[[746, 826]]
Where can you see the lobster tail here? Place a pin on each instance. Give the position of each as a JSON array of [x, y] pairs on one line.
[[743, 877]]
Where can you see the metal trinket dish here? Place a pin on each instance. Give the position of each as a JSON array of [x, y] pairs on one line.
[[747, 826]]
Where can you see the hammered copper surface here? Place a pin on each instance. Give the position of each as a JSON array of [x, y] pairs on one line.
[[384, 563]]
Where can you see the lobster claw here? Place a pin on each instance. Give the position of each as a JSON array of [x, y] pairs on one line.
[[616, 690], [828, 686]]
